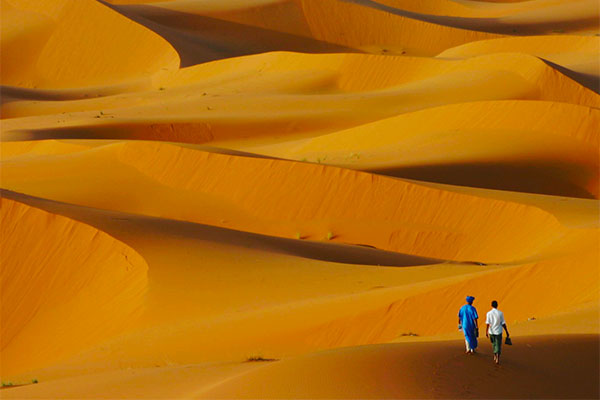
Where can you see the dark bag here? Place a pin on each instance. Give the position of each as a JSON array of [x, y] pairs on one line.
[[508, 341], [476, 332]]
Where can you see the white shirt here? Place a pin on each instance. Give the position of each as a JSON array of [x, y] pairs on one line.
[[495, 319]]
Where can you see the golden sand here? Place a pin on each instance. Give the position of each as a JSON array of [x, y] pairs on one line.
[[188, 185]]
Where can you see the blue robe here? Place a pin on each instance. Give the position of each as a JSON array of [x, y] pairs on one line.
[[467, 315]]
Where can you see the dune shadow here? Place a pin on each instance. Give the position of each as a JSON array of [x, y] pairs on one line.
[[490, 25], [199, 39], [323, 251], [590, 81], [552, 178]]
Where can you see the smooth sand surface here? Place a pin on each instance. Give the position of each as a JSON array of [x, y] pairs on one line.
[[189, 185]]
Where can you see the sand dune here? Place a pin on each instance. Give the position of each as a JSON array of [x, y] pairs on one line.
[[271, 202], [481, 144], [201, 105], [580, 16], [574, 56], [405, 371], [188, 185], [69, 287], [78, 53], [305, 305]]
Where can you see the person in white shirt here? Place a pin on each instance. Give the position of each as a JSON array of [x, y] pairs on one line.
[[495, 322]]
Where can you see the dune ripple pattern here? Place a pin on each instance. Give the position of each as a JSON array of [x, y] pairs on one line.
[[292, 198]]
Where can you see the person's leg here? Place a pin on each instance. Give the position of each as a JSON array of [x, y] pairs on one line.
[[467, 346], [496, 339], [499, 349]]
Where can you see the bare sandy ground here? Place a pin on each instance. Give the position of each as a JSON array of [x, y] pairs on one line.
[[187, 186]]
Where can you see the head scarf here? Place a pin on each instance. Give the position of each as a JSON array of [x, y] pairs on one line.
[[470, 299]]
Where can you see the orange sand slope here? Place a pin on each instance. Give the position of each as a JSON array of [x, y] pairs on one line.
[[189, 184], [61, 275], [307, 304], [376, 371]]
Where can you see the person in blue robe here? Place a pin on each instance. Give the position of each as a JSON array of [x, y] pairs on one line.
[[467, 321]]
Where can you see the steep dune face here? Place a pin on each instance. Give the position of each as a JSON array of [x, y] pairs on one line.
[[65, 286], [77, 52], [374, 30], [22, 32], [198, 38], [261, 195]]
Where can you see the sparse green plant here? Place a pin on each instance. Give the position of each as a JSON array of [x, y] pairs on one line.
[[298, 236], [330, 235], [34, 381], [304, 159], [7, 384]]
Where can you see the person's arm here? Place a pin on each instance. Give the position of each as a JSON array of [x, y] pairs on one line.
[[506, 329], [487, 329]]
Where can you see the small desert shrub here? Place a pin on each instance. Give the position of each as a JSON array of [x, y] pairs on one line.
[[259, 359], [409, 334]]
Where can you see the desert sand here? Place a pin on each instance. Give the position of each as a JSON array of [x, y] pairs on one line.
[[292, 198]]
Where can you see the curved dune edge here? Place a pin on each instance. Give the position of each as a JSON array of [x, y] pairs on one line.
[[315, 85], [574, 56], [79, 52], [378, 31], [199, 39], [427, 144], [373, 30], [65, 286], [576, 17], [575, 49], [263, 196]]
